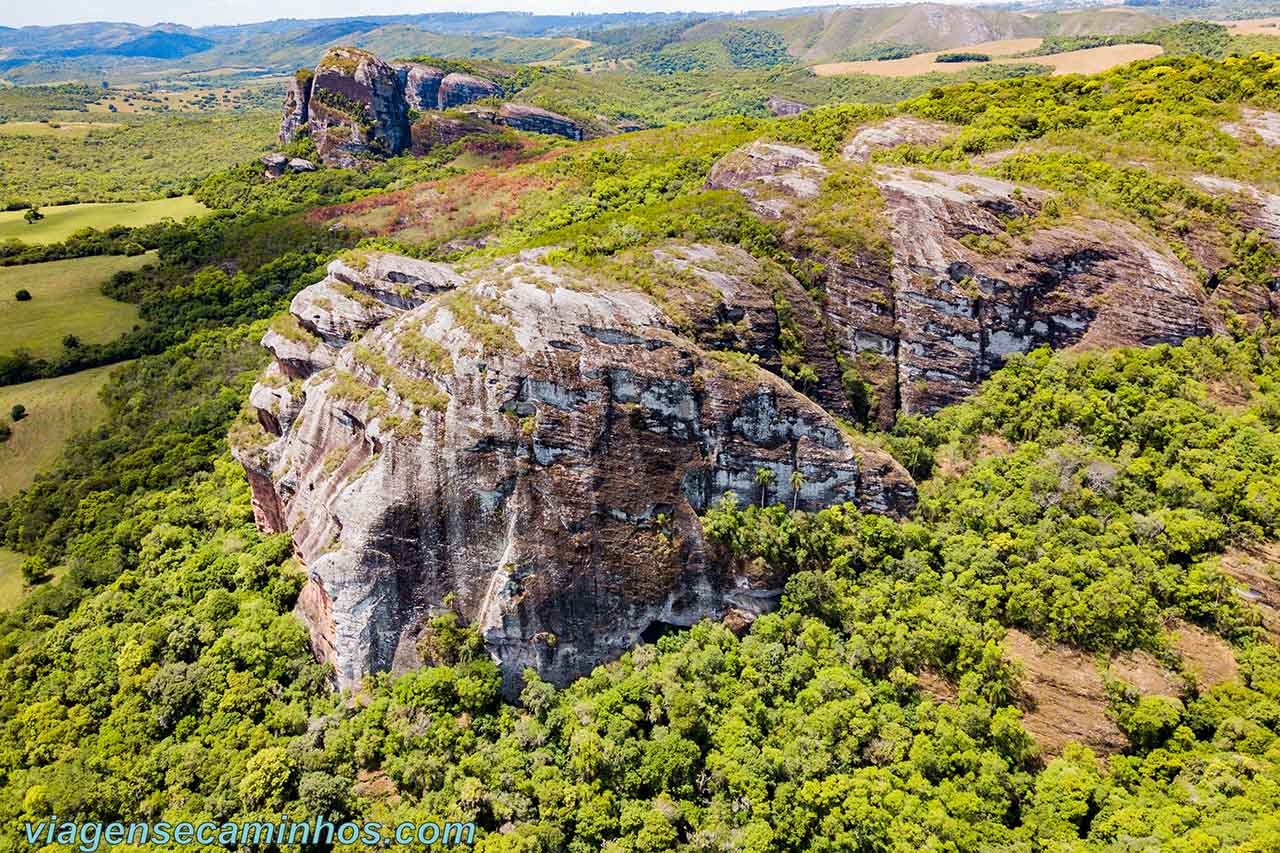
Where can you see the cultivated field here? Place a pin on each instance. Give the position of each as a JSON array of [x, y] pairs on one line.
[[56, 409], [65, 300], [1090, 61], [60, 222], [1263, 26]]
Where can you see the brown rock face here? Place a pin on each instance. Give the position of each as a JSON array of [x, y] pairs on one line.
[[958, 294], [535, 442], [781, 106], [458, 89], [357, 108]]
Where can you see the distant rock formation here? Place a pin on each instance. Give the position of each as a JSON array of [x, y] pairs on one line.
[[355, 107], [531, 446]]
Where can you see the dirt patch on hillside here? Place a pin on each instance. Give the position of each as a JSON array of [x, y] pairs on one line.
[[1206, 656], [1146, 674], [1256, 568], [1063, 697], [937, 686]]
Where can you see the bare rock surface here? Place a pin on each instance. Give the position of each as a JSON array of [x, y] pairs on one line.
[[458, 89], [895, 131], [957, 294], [533, 444], [1256, 126], [356, 108], [781, 106]]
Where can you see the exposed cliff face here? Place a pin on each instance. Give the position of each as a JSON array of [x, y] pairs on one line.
[[458, 89], [355, 107], [537, 443], [957, 295], [421, 85]]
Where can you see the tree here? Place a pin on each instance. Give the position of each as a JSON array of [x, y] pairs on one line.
[[764, 477], [23, 295], [33, 215], [18, 412], [797, 480], [35, 570]]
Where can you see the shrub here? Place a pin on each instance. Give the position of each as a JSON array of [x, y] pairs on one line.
[[5, 433], [962, 57], [18, 412], [23, 295]]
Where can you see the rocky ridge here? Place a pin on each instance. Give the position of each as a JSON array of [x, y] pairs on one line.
[[355, 106], [925, 321], [531, 446]]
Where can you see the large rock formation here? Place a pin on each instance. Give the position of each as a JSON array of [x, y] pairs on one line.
[[924, 323], [355, 107], [531, 445]]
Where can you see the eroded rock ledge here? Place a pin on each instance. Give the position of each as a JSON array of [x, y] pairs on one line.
[[531, 446], [923, 320]]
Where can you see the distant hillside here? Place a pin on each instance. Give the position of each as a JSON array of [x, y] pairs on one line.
[[662, 42]]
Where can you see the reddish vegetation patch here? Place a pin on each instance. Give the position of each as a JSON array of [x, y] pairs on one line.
[[437, 209], [1256, 569], [1206, 656], [1063, 697], [376, 784]]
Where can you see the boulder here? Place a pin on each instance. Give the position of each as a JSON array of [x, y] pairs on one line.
[[299, 164], [458, 89], [276, 164], [531, 446], [781, 106]]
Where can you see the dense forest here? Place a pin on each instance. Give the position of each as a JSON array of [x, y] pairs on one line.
[[1084, 499]]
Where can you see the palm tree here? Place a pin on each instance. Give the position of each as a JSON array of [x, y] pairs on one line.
[[797, 480], [764, 476]]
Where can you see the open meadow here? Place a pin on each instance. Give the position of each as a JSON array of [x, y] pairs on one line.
[[62, 221], [65, 300], [56, 409]]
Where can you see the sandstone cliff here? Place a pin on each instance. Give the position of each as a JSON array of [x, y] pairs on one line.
[[531, 445], [925, 322], [354, 106]]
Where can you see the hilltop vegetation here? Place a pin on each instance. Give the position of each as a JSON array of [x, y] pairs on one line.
[[1084, 499]]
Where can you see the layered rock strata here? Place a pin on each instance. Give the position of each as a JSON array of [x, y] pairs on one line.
[[923, 324], [531, 446], [355, 106]]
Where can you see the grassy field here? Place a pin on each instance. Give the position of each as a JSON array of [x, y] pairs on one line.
[[1090, 61], [65, 300], [56, 409], [60, 222], [54, 128], [11, 587]]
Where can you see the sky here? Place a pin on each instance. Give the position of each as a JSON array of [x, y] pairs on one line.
[[204, 12]]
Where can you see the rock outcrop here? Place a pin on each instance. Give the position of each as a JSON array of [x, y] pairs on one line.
[[531, 445], [956, 294], [780, 106], [458, 89], [536, 120], [355, 107], [421, 85]]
